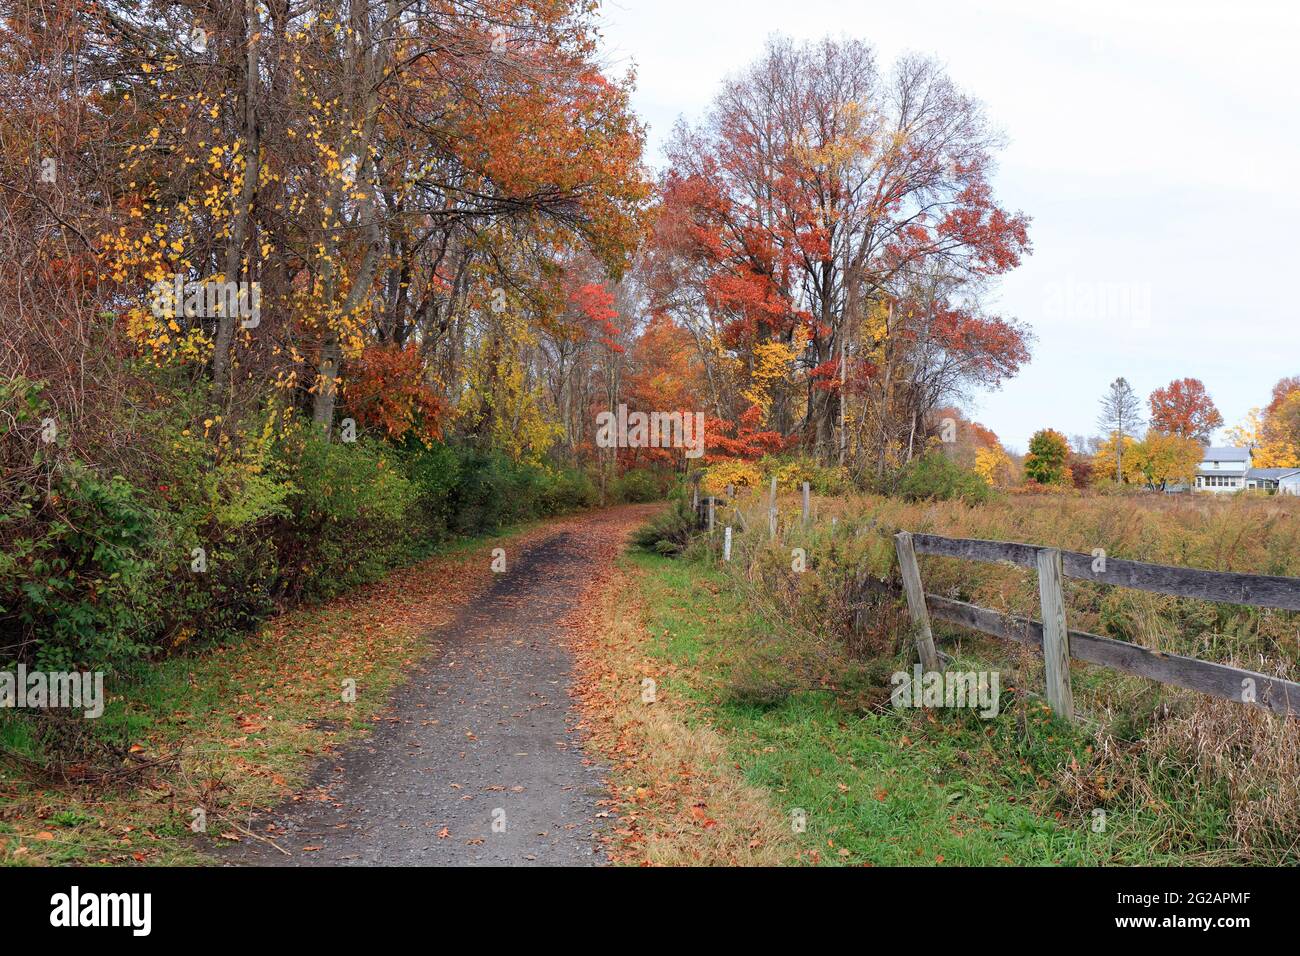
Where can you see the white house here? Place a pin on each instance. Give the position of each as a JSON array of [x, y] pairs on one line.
[[1230, 469]]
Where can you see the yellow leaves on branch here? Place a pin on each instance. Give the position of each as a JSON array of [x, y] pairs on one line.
[[773, 361], [995, 466], [734, 472], [1274, 438]]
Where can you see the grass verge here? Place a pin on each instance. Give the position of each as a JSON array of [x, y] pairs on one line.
[[678, 797], [877, 786]]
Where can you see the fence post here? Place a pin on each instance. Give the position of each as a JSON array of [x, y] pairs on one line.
[[726, 544], [771, 510], [712, 512], [806, 502], [916, 601], [1056, 637]]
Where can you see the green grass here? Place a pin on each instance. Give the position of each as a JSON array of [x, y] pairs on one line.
[[888, 788]]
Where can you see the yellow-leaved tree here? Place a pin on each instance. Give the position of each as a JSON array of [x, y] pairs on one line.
[[1271, 444], [1163, 459], [1103, 463]]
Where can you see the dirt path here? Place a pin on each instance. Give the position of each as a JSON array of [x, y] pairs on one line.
[[477, 760]]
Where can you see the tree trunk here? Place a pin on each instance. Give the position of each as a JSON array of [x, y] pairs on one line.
[[243, 217]]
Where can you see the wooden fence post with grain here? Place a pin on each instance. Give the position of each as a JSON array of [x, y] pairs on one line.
[[916, 601], [726, 544], [771, 510], [806, 503], [713, 505], [1056, 636]]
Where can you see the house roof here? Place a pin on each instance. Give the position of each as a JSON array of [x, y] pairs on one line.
[[1226, 454], [1273, 474]]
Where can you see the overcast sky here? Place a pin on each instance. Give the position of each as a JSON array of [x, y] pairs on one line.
[[1156, 146]]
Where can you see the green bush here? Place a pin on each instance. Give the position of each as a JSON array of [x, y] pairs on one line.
[[936, 477], [670, 532], [99, 571], [435, 472], [567, 489], [350, 518], [230, 507], [77, 575], [637, 485]]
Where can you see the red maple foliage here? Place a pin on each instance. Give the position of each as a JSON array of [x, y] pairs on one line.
[[745, 438], [388, 390], [1183, 408]]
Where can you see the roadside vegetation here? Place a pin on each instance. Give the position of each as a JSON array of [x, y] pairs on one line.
[[225, 729], [794, 670]]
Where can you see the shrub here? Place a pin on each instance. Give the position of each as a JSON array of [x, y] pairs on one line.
[[566, 489], [791, 473], [76, 577], [489, 493], [936, 477], [637, 485], [740, 474], [435, 471], [97, 571], [350, 518], [670, 532]]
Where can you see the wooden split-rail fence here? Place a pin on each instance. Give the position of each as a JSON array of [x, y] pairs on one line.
[[1052, 636], [1059, 645]]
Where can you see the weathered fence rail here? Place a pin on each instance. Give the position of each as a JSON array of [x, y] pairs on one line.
[[1256, 590], [1054, 639], [1059, 644]]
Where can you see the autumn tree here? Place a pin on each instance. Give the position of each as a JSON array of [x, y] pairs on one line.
[[1165, 459], [1119, 418], [994, 465], [1273, 432], [836, 219], [1114, 462], [1048, 454], [1183, 408], [1284, 389]]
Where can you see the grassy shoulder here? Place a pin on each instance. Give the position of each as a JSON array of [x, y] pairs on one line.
[[878, 786], [678, 797], [228, 728]]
